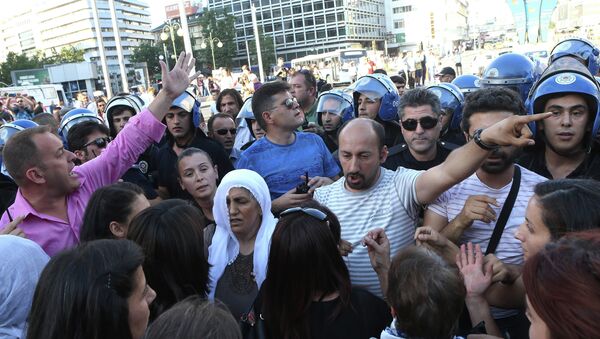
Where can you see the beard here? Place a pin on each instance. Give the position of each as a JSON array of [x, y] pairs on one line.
[[506, 159]]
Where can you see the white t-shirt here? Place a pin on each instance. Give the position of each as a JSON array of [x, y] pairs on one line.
[[509, 250], [390, 204]]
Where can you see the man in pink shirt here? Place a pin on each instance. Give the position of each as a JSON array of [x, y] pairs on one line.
[[53, 192]]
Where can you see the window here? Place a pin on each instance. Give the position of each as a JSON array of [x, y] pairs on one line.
[[298, 23], [310, 35], [309, 21], [299, 37], [402, 9], [398, 24]]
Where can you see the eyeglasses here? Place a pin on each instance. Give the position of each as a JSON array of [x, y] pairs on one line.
[[290, 103], [426, 123], [313, 212], [224, 131], [99, 142]]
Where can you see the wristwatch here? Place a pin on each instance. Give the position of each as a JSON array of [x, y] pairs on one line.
[[480, 143]]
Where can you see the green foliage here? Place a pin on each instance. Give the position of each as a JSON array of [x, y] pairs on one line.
[[220, 25], [65, 56], [148, 53], [15, 62]]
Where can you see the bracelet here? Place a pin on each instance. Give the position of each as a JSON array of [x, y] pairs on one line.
[[480, 143]]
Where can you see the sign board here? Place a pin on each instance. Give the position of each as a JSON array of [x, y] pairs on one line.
[[28, 77]]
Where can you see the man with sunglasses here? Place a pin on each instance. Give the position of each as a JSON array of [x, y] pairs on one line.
[[284, 156], [222, 129], [420, 120], [87, 139]]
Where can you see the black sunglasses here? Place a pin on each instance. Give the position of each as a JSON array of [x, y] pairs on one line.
[[223, 131], [426, 123], [313, 212], [99, 142], [290, 103]]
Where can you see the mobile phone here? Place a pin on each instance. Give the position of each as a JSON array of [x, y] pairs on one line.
[[303, 187]]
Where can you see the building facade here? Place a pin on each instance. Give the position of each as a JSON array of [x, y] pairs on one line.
[[301, 27], [50, 25]]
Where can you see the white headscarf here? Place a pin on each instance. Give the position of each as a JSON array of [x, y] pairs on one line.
[[225, 246], [22, 262]]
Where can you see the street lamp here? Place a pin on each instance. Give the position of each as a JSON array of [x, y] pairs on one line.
[[211, 41], [169, 30]]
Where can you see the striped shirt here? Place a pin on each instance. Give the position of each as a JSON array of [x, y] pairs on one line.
[[509, 250], [390, 204]]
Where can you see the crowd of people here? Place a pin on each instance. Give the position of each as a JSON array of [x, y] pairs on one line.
[[382, 210]]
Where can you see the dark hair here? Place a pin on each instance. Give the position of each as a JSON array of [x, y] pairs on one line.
[[309, 78], [426, 293], [569, 205], [333, 222], [108, 203], [82, 292], [78, 134], [419, 97], [375, 126], [398, 79], [212, 119], [171, 235], [379, 71], [21, 153], [188, 152], [232, 93], [6, 116], [195, 317], [263, 101], [489, 100], [304, 254], [46, 119], [563, 285]]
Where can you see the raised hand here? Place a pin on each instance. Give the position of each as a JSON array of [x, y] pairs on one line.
[[471, 268], [512, 131], [177, 80], [378, 246]]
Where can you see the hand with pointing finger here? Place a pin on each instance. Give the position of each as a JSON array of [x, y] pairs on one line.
[[512, 131]]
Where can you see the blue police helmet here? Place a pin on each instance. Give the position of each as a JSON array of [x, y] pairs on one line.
[[377, 86], [512, 70], [467, 83], [246, 110], [337, 102], [9, 129], [72, 118], [188, 102], [451, 100], [582, 49], [567, 82]]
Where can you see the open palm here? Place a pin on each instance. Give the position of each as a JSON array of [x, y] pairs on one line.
[[177, 80]]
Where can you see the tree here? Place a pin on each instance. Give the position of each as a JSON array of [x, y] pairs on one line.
[[148, 53], [267, 50], [16, 62], [66, 55], [220, 25]]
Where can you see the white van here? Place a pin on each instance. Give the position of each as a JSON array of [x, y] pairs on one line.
[[51, 94]]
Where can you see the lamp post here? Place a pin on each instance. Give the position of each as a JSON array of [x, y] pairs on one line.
[[169, 30], [212, 41]]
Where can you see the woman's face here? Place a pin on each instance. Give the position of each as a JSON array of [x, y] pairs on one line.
[[138, 302], [245, 215], [198, 176], [533, 233], [538, 328]]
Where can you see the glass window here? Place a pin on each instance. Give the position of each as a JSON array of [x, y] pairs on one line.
[[342, 31], [331, 32], [318, 5], [321, 34], [310, 35], [277, 26], [307, 7], [268, 28], [309, 21], [237, 7], [298, 23], [319, 19], [289, 38], [276, 13], [329, 4], [330, 18], [299, 37], [264, 2], [287, 10], [279, 39], [287, 24], [297, 9], [340, 16], [266, 15]]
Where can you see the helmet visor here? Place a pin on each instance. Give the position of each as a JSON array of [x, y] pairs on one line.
[[577, 48], [246, 110], [368, 86], [332, 103]]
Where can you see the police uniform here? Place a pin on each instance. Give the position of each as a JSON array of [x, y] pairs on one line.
[[400, 155], [534, 159]]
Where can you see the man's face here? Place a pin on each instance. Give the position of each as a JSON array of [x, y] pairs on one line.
[[330, 115], [446, 78], [286, 117], [229, 106], [421, 140], [56, 164], [223, 131], [400, 87], [257, 130], [121, 119], [303, 93], [179, 122], [20, 103], [360, 156], [502, 158], [368, 108], [101, 106], [566, 128], [93, 149]]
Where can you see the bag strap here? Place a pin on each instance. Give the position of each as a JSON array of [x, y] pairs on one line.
[[505, 213]]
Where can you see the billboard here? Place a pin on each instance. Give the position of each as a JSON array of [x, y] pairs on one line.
[[532, 18], [29, 77], [191, 7]]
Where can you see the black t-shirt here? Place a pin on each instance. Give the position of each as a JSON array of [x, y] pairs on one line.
[[366, 317], [455, 137], [400, 155], [534, 159], [8, 192], [167, 159], [393, 134], [329, 140]]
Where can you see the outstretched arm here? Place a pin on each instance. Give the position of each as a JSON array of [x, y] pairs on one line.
[[465, 160]]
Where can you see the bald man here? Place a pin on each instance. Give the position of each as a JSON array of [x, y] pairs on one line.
[[370, 196]]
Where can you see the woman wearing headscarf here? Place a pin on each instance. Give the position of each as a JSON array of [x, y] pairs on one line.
[[22, 263], [239, 251]]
